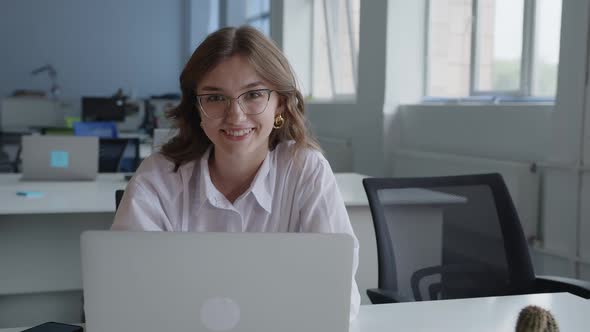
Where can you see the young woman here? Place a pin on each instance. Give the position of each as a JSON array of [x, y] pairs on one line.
[[243, 160]]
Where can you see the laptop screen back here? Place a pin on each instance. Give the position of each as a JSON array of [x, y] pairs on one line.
[[57, 158], [164, 281]]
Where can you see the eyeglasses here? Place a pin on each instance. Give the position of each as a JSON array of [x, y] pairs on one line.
[[251, 102]]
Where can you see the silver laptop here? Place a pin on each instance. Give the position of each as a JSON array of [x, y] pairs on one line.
[[263, 282], [59, 158]]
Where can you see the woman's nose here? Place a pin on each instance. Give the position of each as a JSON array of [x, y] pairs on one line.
[[235, 113]]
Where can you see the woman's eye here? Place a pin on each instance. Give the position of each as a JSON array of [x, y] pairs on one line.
[[254, 94], [215, 98]]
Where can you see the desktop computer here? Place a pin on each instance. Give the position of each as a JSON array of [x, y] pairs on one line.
[[103, 109]]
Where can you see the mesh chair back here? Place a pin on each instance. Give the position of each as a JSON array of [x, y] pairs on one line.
[[110, 153], [118, 197], [448, 237], [10, 151], [131, 157]]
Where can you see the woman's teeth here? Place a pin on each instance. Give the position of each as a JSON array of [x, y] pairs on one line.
[[240, 132]]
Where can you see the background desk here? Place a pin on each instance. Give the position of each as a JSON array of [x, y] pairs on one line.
[[489, 314], [39, 242], [357, 206]]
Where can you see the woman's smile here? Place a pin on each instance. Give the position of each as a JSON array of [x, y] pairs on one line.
[[237, 134]]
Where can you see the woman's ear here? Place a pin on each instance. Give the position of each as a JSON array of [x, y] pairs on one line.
[[282, 103]]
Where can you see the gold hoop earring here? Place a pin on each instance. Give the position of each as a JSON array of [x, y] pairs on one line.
[[279, 122]]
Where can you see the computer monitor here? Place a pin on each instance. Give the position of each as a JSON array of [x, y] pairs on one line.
[[103, 109]]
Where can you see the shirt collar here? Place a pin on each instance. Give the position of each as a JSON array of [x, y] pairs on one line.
[[260, 187], [207, 190]]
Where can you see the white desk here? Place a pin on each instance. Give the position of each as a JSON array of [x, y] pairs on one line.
[[39, 238], [60, 197], [481, 314], [491, 314], [39, 244], [357, 206]]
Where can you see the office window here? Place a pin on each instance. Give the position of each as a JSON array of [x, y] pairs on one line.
[[258, 15], [499, 49], [546, 52], [335, 47], [248, 12]]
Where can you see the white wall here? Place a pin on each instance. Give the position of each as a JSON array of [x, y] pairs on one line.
[[566, 223], [96, 46], [505, 132]]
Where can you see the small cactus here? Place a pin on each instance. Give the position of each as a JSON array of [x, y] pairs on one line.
[[536, 319]]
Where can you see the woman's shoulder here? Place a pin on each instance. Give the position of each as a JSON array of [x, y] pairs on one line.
[[155, 163], [299, 159], [157, 170]]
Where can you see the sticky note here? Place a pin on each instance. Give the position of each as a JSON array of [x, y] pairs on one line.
[[30, 194], [59, 159]]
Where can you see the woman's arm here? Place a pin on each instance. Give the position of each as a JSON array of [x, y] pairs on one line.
[[322, 210], [140, 210]]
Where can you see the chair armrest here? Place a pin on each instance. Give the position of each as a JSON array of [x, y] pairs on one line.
[[381, 296], [552, 284]]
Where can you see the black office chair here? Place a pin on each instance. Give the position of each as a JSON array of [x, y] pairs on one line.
[[6, 165], [10, 141], [118, 197], [111, 152], [129, 165], [452, 237]]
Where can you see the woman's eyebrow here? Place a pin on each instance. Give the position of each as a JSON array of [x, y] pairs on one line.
[[211, 88], [252, 85]]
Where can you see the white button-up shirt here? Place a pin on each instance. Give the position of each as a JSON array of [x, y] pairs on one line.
[[290, 193]]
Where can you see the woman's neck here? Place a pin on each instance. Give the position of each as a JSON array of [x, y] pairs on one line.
[[233, 175]]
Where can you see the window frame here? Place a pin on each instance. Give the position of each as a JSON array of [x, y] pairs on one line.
[[260, 17], [331, 57], [523, 93]]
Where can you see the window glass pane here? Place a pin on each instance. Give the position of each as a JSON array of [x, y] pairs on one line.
[[251, 12], [499, 45], [255, 7], [262, 24], [320, 71], [546, 49], [335, 47], [449, 48]]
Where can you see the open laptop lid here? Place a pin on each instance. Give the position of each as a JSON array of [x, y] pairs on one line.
[[164, 281], [59, 158]]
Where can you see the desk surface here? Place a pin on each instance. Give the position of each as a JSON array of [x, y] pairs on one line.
[[99, 196], [60, 197], [351, 188], [481, 314]]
